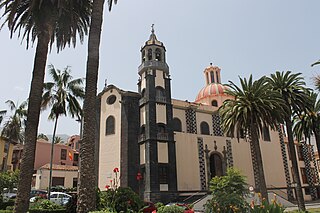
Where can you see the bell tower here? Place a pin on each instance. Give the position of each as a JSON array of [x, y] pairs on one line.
[[156, 141]]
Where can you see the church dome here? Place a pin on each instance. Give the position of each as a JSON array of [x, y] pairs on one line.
[[211, 90]]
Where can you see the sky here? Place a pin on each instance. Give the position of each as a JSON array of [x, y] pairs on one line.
[[241, 37]]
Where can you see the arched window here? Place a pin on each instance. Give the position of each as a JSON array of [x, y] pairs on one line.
[[214, 103], [160, 92], [265, 133], [110, 125], [149, 54], [176, 124], [212, 77], [161, 128], [143, 92], [158, 54], [143, 55], [204, 128], [142, 130]]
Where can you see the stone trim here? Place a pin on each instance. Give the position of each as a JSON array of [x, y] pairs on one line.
[[201, 164]]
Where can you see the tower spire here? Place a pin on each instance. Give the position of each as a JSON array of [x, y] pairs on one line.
[[152, 28]]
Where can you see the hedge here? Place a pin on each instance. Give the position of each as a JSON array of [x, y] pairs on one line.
[[47, 210]]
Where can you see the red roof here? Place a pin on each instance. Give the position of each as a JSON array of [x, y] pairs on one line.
[[210, 90]]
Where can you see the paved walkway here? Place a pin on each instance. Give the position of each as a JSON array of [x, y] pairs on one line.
[[308, 206]]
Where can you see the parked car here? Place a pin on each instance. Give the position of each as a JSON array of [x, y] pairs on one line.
[[9, 194], [39, 193], [185, 207], [60, 198], [149, 207]]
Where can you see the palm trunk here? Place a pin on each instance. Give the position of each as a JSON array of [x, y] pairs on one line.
[[295, 167], [87, 194], [262, 187], [317, 136], [34, 104], [51, 155]]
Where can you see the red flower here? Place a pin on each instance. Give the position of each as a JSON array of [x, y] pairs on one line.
[[110, 181], [107, 186], [116, 170]]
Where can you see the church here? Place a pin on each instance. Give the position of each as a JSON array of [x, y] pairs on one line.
[[165, 148]]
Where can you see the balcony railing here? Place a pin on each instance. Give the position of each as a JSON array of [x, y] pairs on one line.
[[142, 137], [162, 136], [154, 64], [161, 99]]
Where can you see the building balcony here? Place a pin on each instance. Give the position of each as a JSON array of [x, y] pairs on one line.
[[153, 65], [163, 136], [141, 137], [142, 101], [161, 99]]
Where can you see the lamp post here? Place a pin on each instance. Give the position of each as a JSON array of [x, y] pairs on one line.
[[80, 119]]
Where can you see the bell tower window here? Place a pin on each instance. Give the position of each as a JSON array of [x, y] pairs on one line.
[[149, 54], [158, 54], [143, 55], [212, 77]]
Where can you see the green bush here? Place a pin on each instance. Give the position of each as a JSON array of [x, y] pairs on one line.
[[6, 211], [71, 206], [265, 207], [228, 193], [120, 199], [170, 209], [5, 205], [46, 206], [104, 211], [47, 211]]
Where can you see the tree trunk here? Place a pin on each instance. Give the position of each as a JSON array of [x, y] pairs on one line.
[[34, 105], [317, 136], [262, 187], [87, 189], [51, 155], [295, 167]]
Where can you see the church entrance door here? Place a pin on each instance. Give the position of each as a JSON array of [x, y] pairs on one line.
[[216, 165]]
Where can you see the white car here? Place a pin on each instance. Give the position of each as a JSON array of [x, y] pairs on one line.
[[60, 198]]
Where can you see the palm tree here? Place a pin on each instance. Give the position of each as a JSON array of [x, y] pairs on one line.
[[45, 22], [306, 124], [87, 193], [292, 89], [62, 96], [253, 108], [13, 128], [43, 136]]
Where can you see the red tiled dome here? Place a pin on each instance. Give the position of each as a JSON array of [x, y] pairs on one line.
[[210, 90]]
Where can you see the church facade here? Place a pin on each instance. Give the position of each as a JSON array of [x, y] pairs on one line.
[[165, 148]]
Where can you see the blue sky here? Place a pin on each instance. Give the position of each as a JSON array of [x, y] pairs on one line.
[[241, 37]]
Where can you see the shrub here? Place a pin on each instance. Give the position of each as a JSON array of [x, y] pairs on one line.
[[265, 207], [71, 206], [6, 211], [104, 211], [158, 205], [5, 205], [47, 211], [42, 206], [170, 209], [120, 199], [228, 193]]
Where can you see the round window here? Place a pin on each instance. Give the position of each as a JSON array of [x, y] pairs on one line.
[[111, 99]]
